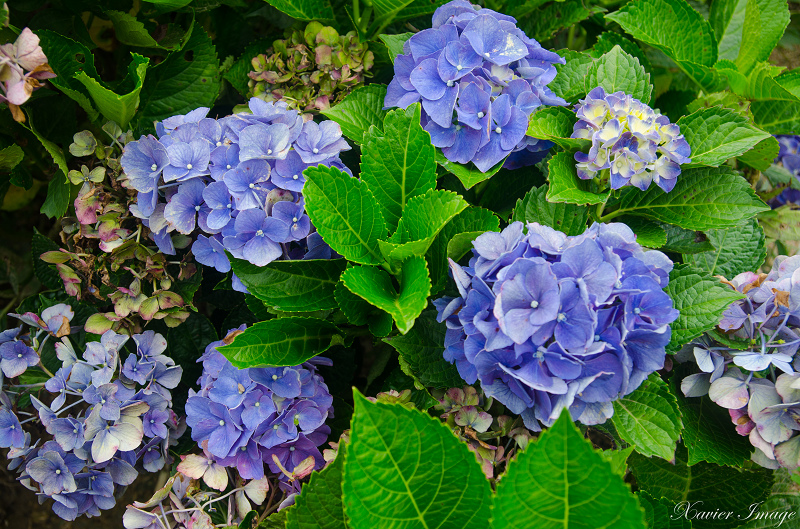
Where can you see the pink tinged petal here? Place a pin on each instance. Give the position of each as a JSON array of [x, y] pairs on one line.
[[19, 92], [257, 490], [27, 50], [788, 453], [104, 446], [216, 477], [729, 391], [138, 519], [193, 466]]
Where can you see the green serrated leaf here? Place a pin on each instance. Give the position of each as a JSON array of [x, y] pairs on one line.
[[421, 351], [345, 213], [703, 198], [544, 22], [394, 43], [618, 459], [762, 155], [736, 250], [648, 233], [187, 79], [684, 241], [375, 286], [534, 207], [305, 9], [44, 272], [58, 195], [777, 117], [565, 186], [783, 501], [472, 220], [359, 312], [649, 419], [727, 20], [660, 513], [68, 58], [764, 24], [292, 286], [397, 163], [360, 109], [10, 157], [237, 74], [551, 485], [717, 134], [618, 71], [115, 107], [570, 81], [129, 30], [468, 174], [407, 469], [708, 433], [319, 504], [719, 488], [555, 124], [281, 342], [701, 300], [606, 42]]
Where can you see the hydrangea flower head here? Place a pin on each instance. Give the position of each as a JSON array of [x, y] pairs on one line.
[[789, 158], [545, 321], [753, 373], [632, 144], [246, 417], [478, 78], [228, 179]]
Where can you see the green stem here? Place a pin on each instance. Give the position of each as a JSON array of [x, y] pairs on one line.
[[357, 13], [612, 215], [365, 19]]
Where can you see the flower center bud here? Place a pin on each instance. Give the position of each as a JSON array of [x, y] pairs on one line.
[[269, 151], [274, 377], [596, 337], [228, 166], [243, 448], [153, 167], [449, 83], [275, 427], [102, 401], [562, 317], [75, 430], [458, 128], [291, 449], [19, 355], [294, 177], [229, 206], [294, 219], [221, 422], [188, 166], [459, 67], [252, 186], [534, 304], [260, 233], [480, 115], [152, 421], [498, 130], [257, 404], [58, 471], [240, 388], [219, 143], [637, 310], [197, 208], [315, 150]]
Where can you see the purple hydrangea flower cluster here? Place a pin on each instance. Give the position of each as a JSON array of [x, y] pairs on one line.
[[247, 417], [545, 321], [238, 178], [478, 77], [632, 144], [789, 158], [105, 416], [752, 373]]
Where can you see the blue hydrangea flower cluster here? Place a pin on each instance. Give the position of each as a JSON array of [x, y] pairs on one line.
[[752, 373], [105, 416], [789, 158], [478, 77], [238, 178], [632, 144], [546, 322], [247, 417]]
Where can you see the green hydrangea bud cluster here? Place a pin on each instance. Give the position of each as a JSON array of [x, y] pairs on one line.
[[311, 69]]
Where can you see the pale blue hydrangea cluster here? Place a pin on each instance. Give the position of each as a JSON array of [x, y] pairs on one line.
[[238, 179], [753, 373], [632, 144], [546, 322], [106, 417], [478, 78], [245, 418]]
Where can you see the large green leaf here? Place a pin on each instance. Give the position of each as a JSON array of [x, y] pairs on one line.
[[129, 30], [736, 250], [783, 501], [394, 43], [764, 24], [570, 82], [703, 198], [292, 286], [717, 134], [398, 162], [648, 233], [565, 186], [708, 433], [558, 483], [319, 503], [304, 9], [68, 58], [421, 351], [722, 489], [10, 157], [281, 342], [469, 223], [405, 469], [360, 109], [649, 419], [58, 194], [606, 42], [360, 312], [762, 155], [618, 71], [534, 207], [187, 79], [777, 117], [660, 513], [375, 286], [727, 20], [345, 213], [468, 174], [113, 106], [555, 124], [701, 300]]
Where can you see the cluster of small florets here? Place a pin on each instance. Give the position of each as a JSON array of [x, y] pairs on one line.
[[478, 77], [104, 415], [238, 178], [545, 321], [244, 418], [789, 158], [632, 144], [22, 65], [749, 366], [312, 69]]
